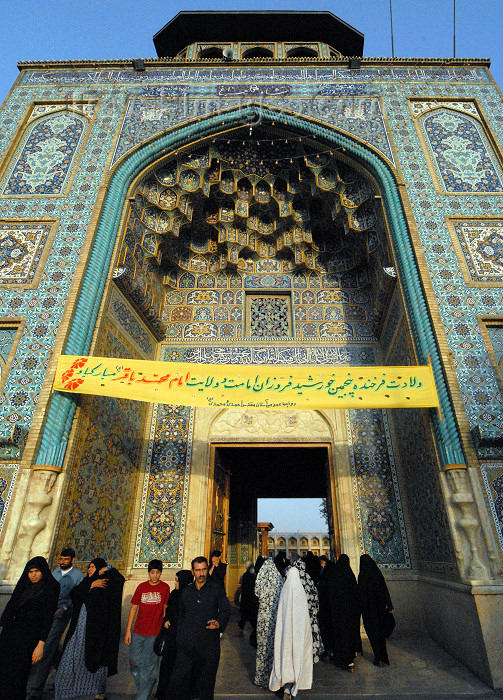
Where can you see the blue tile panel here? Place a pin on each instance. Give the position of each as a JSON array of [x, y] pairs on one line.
[[420, 473], [359, 116], [163, 510], [121, 312], [43, 160], [464, 160], [380, 520]]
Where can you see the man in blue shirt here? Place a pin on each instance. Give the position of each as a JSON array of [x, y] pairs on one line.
[[68, 577]]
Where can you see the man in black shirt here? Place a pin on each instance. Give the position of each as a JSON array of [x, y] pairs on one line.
[[203, 615]]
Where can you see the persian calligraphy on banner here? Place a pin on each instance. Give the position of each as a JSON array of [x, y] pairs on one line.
[[249, 386]]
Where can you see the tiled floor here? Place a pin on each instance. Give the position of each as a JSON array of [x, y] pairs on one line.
[[419, 668]]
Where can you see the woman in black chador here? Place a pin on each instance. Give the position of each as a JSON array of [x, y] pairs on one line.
[[26, 622], [375, 604], [170, 626], [345, 609], [248, 605], [324, 614], [217, 569], [92, 642]]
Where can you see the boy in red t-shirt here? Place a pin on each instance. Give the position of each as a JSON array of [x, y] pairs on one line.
[[150, 600]]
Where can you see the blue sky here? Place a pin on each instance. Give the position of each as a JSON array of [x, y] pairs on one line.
[[66, 29], [292, 514], [108, 29]]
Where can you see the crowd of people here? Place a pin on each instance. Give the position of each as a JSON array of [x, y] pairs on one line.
[[300, 610], [310, 609]]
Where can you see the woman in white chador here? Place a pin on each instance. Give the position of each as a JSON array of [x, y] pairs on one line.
[[293, 641]]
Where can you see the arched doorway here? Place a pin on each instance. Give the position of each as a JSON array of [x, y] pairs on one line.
[[329, 188]]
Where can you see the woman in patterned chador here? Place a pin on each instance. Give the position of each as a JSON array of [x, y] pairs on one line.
[[268, 587], [92, 642], [26, 622], [313, 605]]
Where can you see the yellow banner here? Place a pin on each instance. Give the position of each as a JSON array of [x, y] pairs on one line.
[[248, 386]]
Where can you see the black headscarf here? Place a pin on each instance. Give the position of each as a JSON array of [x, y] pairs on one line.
[[313, 566], [100, 564], [184, 577], [374, 595], [258, 563], [27, 592], [281, 562]]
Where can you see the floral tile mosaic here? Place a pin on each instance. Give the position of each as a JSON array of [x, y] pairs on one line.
[[21, 248], [103, 479], [163, 509], [375, 486], [480, 250], [43, 160], [464, 161]]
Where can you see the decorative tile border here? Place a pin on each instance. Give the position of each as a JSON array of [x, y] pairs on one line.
[[201, 73], [8, 474], [492, 475], [120, 313]]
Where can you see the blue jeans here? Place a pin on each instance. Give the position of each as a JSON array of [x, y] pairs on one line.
[[143, 664]]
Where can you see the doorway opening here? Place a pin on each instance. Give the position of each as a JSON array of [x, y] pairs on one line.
[[244, 473], [299, 525]]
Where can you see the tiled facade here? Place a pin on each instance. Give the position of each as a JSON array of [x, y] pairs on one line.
[[435, 128]]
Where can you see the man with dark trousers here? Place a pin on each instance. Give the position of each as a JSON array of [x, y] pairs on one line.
[[203, 614]]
